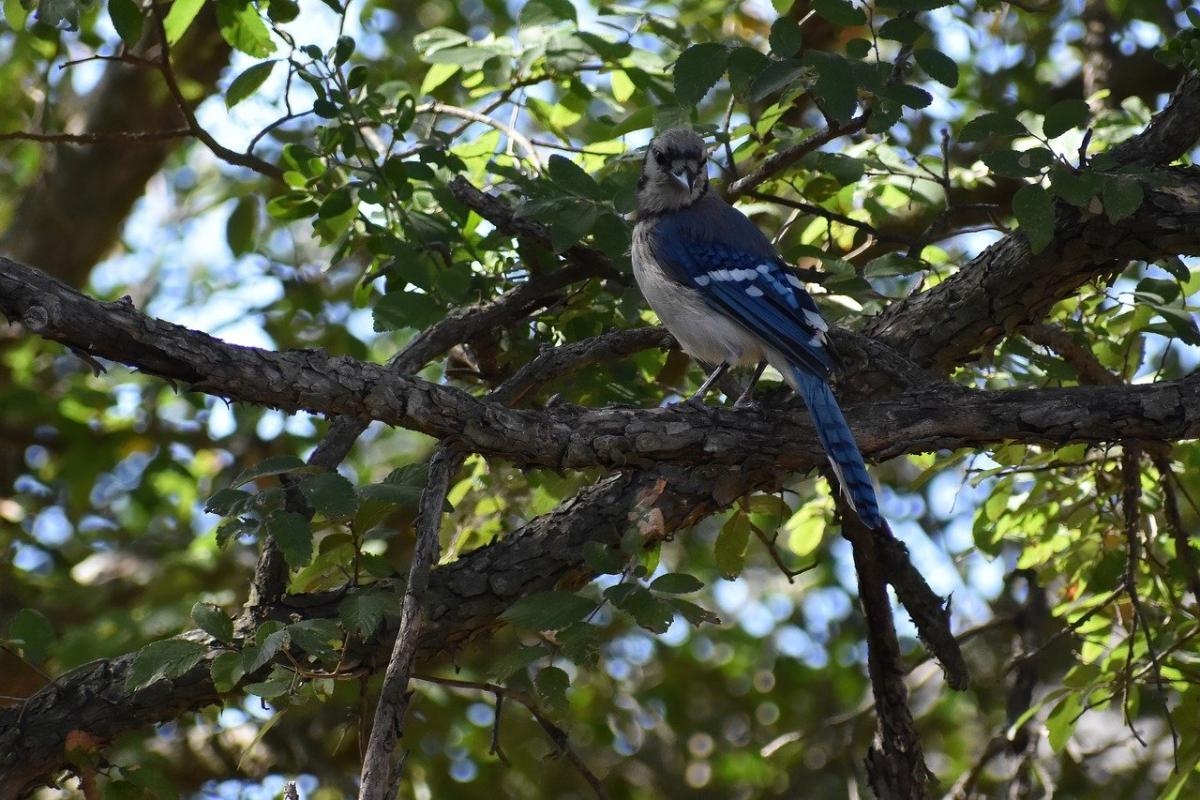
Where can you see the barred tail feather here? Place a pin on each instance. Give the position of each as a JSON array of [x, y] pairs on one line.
[[839, 445]]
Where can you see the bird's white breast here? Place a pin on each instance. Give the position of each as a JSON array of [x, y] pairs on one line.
[[702, 331]]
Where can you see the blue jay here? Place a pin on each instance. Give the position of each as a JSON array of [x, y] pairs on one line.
[[718, 285]]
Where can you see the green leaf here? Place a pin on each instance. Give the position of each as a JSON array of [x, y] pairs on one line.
[[694, 614], [248, 82], [1018, 164], [213, 621], [1078, 189], [901, 29], [840, 12], [342, 50], [551, 684], [502, 667], [605, 48], [275, 465], [1063, 116], [243, 28], [775, 76], [241, 227], [545, 12], [226, 670], [731, 544], [548, 611], [396, 310], [1167, 291], [745, 65], [180, 17], [652, 613], [697, 70], [269, 639], [603, 560], [362, 613], [580, 642], [991, 124], [1122, 195], [34, 632], [938, 66], [611, 235], [15, 14], [835, 84], [338, 202], [127, 19], [571, 222], [166, 659], [1182, 323], [1034, 210], [676, 583], [283, 10], [858, 48], [269, 690], [1061, 722], [786, 39], [293, 534], [317, 637], [436, 76], [330, 495], [638, 120], [377, 500], [571, 177], [907, 95]]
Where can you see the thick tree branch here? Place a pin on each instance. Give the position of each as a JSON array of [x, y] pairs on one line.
[[1008, 286], [785, 157], [1171, 133], [895, 762], [572, 437], [378, 773]]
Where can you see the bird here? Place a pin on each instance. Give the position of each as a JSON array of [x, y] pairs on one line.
[[722, 290]]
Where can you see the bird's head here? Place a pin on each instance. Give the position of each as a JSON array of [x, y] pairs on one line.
[[674, 172]]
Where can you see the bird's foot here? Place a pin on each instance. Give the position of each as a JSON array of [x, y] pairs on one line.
[[747, 403], [694, 403]]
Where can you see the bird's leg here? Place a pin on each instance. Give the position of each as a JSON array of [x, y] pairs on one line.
[[746, 400], [698, 398]]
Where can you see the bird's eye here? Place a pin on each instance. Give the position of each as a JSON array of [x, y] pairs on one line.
[[660, 157]]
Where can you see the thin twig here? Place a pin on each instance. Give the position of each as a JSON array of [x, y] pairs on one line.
[[1130, 497], [772, 545], [98, 137], [474, 116], [556, 734], [833, 216], [1179, 535], [219, 150]]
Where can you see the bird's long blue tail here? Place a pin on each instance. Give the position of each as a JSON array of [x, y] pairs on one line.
[[839, 445]]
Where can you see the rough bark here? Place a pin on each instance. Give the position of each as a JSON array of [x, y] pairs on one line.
[[1007, 285], [565, 436]]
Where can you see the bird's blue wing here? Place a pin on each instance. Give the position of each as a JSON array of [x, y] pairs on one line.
[[753, 288]]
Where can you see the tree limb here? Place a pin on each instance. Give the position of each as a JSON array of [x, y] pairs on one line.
[[570, 437], [378, 774], [1007, 285]]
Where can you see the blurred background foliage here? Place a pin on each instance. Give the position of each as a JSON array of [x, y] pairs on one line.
[[370, 109]]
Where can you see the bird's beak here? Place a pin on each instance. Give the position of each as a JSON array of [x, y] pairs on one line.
[[686, 178]]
